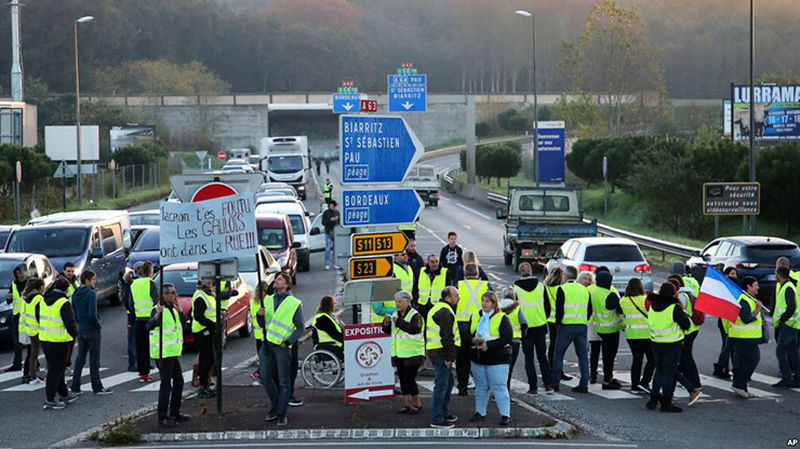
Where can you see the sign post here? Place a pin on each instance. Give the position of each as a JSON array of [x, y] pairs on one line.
[[380, 207], [368, 374], [17, 193]]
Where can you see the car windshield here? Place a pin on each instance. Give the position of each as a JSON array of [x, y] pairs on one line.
[[148, 241], [3, 238], [285, 164], [50, 242], [613, 253], [272, 238], [185, 281], [769, 253], [7, 272], [298, 227], [552, 203], [145, 219], [247, 264]]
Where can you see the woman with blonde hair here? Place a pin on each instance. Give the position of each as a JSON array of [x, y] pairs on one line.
[[470, 257]]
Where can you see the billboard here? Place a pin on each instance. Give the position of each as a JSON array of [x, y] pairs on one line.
[[61, 143], [731, 198], [132, 133], [776, 115], [551, 152]]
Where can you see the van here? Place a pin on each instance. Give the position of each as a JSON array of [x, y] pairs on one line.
[[275, 234], [92, 240]]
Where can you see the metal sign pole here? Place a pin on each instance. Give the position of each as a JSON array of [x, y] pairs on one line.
[[218, 342], [64, 185]]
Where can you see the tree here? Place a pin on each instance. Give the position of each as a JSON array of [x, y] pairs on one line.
[[483, 129], [614, 58], [35, 164], [581, 116], [140, 154], [159, 77], [776, 166]]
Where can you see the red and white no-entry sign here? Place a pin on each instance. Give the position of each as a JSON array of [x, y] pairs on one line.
[[213, 190], [222, 155]]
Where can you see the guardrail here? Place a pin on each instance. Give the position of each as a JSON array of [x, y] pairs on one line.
[[642, 240]]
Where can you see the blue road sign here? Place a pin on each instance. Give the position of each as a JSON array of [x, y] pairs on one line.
[[380, 207], [346, 103], [406, 79], [377, 149], [408, 97], [551, 152]]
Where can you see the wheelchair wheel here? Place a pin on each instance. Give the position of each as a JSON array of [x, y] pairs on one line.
[[322, 369]]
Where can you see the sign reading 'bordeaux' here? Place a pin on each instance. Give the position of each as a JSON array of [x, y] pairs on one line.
[[380, 207]]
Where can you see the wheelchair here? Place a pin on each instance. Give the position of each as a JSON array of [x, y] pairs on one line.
[[322, 369]]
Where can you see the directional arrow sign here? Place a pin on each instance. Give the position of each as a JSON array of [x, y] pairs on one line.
[[377, 149], [370, 267], [378, 243], [380, 207], [408, 97], [344, 103], [368, 393]]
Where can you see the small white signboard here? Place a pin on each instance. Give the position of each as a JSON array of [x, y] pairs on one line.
[[368, 372]]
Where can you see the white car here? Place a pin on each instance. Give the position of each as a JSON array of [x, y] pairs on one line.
[[623, 258], [309, 241]]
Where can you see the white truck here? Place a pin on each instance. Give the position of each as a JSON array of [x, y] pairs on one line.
[[286, 159], [425, 181]]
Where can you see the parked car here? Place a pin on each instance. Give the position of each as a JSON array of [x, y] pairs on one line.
[[275, 234], [146, 248], [287, 189], [266, 263], [301, 228], [5, 231], [151, 217], [184, 277], [96, 240], [622, 257], [752, 255], [138, 230], [35, 264]]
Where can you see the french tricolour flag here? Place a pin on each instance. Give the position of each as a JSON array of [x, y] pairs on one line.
[[719, 296]]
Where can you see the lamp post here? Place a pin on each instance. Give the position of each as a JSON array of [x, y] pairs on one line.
[[83, 19], [524, 13], [751, 108]]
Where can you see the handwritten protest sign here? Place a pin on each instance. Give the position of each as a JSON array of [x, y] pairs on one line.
[[208, 230]]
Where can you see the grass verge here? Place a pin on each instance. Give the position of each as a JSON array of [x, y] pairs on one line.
[[119, 432], [131, 199]]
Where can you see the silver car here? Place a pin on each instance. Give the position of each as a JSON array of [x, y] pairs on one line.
[[623, 258]]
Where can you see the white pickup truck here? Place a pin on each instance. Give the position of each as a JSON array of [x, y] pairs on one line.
[[425, 181]]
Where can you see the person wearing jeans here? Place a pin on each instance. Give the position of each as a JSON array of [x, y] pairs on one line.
[[330, 219], [787, 322], [57, 331], [441, 343], [84, 300], [744, 336], [491, 334], [667, 321], [633, 310], [573, 308]]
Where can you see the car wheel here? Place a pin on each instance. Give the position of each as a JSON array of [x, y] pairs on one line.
[[517, 259], [247, 329], [507, 258], [306, 265], [114, 299]]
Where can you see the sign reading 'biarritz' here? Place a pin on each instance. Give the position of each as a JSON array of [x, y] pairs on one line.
[[368, 373]]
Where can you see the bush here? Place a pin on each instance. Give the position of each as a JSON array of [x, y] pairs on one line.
[[35, 164], [140, 154], [483, 129], [119, 432]]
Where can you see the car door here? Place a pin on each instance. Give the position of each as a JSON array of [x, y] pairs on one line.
[[97, 264], [710, 252], [316, 235], [724, 252]]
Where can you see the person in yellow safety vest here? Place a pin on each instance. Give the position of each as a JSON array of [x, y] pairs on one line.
[[408, 349], [431, 281], [510, 305], [327, 191], [144, 294], [166, 345], [786, 320], [282, 319], [552, 282], [491, 334], [687, 369], [57, 332], [327, 329], [402, 271], [15, 299], [34, 289], [586, 278], [745, 336], [409, 229], [783, 261], [470, 291], [679, 268], [633, 310], [442, 340], [256, 303], [573, 309], [726, 349], [535, 306], [68, 273], [204, 323], [607, 323], [667, 322], [226, 292]]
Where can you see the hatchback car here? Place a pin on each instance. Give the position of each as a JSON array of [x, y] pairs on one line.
[[751, 255], [301, 227], [622, 257], [184, 277], [36, 265], [146, 248], [275, 234]]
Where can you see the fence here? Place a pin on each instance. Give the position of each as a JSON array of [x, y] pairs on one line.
[[47, 195]]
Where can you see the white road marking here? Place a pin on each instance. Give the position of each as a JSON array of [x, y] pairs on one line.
[[726, 385], [625, 376], [474, 211], [769, 380], [116, 379], [444, 198], [522, 387], [432, 233], [597, 390], [30, 387], [467, 227]]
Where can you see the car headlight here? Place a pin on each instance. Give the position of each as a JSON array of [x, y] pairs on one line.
[[282, 260]]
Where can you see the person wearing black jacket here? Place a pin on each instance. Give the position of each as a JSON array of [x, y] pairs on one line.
[[326, 327], [491, 333], [451, 256], [785, 333], [442, 352], [535, 338], [330, 219], [204, 339], [55, 352], [668, 321], [20, 279], [413, 259], [408, 349]]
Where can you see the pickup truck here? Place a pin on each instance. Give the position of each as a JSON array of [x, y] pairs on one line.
[[425, 181], [539, 220]]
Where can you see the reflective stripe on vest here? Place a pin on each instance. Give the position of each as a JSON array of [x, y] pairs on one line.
[[258, 332], [689, 308], [469, 297], [513, 316], [406, 276], [142, 301], [324, 337], [605, 321], [327, 191], [210, 313], [166, 340], [51, 326], [576, 303], [431, 291], [494, 325], [551, 292], [433, 338], [17, 299], [634, 321], [532, 305], [281, 325], [780, 306], [223, 303], [407, 227], [663, 329], [740, 329], [405, 345], [27, 317]]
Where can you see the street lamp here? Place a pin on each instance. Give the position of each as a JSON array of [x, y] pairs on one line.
[[83, 19], [523, 13], [751, 108]]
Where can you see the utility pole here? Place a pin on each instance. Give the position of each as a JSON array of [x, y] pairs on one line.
[[751, 109], [16, 54]]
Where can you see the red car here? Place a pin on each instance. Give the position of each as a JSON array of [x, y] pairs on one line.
[[184, 277], [275, 234]]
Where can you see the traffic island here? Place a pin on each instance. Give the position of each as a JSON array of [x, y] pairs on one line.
[[325, 416]]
